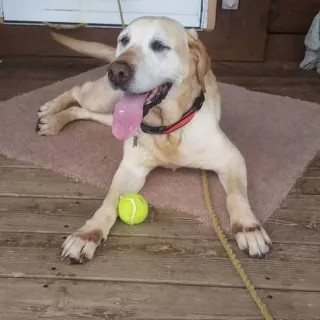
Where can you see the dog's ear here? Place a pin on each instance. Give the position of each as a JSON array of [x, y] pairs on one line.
[[199, 53]]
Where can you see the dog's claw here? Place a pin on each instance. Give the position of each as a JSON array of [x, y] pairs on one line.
[[38, 126], [254, 241]]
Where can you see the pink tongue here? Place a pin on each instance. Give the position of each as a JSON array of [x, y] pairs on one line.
[[128, 115]]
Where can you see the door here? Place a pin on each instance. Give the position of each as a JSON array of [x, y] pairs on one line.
[[232, 35]]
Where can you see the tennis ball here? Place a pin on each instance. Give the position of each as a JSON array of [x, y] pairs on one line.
[[132, 208]]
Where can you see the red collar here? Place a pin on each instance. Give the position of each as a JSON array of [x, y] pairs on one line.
[[186, 117]]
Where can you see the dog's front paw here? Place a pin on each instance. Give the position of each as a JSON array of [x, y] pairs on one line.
[[49, 125], [252, 239], [80, 246]]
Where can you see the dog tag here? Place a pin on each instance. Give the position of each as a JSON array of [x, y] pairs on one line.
[[135, 140]]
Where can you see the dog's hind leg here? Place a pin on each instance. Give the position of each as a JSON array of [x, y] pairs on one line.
[[58, 104], [95, 101], [52, 124]]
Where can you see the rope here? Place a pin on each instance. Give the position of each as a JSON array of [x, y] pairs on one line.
[[217, 228], [121, 13], [236, 263]]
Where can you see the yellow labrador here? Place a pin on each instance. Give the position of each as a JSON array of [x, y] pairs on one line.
[[161, 98]]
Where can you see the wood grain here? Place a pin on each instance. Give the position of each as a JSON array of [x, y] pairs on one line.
[[292, 16], [285, 47], [160, 260], [298, 215], [12, 163], [117, 300], [39, 182]]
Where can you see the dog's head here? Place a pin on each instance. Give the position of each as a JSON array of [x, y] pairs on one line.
[[154, 51], [154, 54]]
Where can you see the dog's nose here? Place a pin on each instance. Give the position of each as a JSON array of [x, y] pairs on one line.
[[119, 72]]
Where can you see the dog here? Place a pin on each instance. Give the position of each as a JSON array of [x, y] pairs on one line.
[[161, 99]]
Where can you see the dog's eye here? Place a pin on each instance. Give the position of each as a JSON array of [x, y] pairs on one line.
[[158, 46], [124, 40]]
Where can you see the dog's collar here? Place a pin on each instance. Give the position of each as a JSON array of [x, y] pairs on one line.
[[186, 117]]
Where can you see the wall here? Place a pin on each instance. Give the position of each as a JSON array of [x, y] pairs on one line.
[[260, 30], [239, 35], [288, 23]]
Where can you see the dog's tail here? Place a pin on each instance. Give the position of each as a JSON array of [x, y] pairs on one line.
[[92, 49]]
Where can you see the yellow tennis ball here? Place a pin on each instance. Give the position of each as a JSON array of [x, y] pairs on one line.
[[132, 208]]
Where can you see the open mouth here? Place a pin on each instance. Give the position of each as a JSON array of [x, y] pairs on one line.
[[156, 95], [131, 108]]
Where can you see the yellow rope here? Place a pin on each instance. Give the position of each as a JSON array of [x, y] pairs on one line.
[[216, 226], [236, 263], [121, 13]]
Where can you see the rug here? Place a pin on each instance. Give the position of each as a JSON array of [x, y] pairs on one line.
[[278, 137]]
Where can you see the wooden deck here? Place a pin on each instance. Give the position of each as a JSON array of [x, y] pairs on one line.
[[166, 268]]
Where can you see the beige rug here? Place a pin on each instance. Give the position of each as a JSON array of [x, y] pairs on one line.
[[277, 135]]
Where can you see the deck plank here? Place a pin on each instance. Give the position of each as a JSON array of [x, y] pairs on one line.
[[123, 301], [40, 182], [298, 215], [13, 163], [161, 260]]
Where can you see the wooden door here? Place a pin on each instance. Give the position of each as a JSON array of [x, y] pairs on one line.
[[239, 35]]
